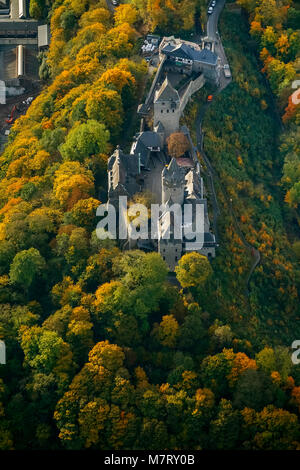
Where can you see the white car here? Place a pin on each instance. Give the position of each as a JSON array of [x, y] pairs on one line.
[[213, 3], [227, 72], [210, 10], [115, 2]]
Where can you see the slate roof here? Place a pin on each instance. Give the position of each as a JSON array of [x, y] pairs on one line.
[[173, 172], [206, 56], [159, 127], [187, 52], [144, 141], [12, 26], [150, 139], [128, 162], [166, 92], [180, 50]]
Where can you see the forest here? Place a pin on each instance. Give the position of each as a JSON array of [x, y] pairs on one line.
[[103, 352]]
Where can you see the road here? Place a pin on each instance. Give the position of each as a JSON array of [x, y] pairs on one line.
[[213, 19], [110, 6], [212, 33]]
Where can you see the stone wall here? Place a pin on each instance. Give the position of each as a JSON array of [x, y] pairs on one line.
[[168, 116], [155, 81], [192, 88]]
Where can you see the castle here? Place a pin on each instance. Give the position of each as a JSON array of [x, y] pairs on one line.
[[148, 166]]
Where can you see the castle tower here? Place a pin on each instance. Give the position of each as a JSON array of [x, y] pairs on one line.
[[169, 246], [167, 108], [173, 183]]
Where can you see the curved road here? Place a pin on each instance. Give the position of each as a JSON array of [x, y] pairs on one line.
[[212, 33], [213, 19]]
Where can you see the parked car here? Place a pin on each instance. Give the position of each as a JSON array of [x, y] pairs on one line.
[[227, 72], [210, 10], [213, 3], [209, 98], [115, 2]]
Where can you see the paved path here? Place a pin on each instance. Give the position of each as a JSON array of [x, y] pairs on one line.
[[213, 19]]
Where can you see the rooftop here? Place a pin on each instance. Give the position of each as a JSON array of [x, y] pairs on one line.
[[166, 92], [188, 52], [185, 162]]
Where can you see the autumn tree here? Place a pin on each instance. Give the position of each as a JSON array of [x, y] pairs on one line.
[[178, 144], [125, 14], [72, 183], [193, 269], [270, 428], [168, 331]]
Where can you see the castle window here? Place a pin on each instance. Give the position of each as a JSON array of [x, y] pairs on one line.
[[167, 110], [161, 111]]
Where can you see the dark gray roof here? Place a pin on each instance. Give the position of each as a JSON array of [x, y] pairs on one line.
[[181, 50], [144, 142], [209, 238], [129, 162], [206, 56], [187, 52], [167, 92], [159, 127], [142, 109], [150, 139], [141, 151], [167, 48], [173, 172], [17, 25]]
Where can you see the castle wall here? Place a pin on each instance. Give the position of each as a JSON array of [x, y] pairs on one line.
[[175, 192], [155, 80], [168, 115], [192, 88], [206, 251], [171, 252]]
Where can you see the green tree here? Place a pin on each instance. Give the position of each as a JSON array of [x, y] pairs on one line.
[[225, 430], [45, 351], [27, 265], [193, 270], [277, 359], [84, 140], [37, 9]]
